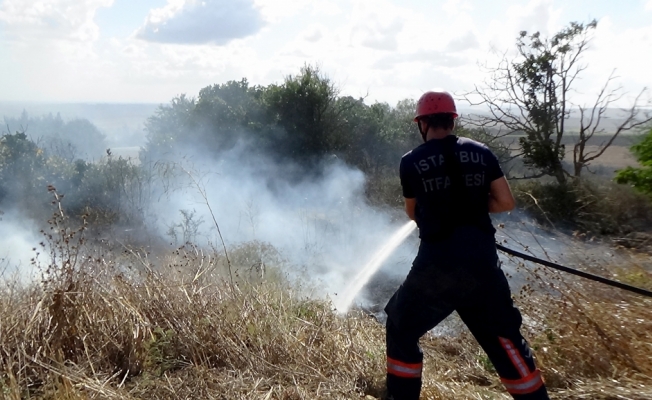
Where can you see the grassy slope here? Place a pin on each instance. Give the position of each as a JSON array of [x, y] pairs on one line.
[[123, 325]]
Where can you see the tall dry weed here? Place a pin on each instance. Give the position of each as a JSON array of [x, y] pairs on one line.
[[112, 322]]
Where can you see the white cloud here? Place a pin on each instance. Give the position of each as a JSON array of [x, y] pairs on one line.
[[536, 15], [201, 22], [648, 5], [51, 19], [377, 35], [625, 50], [376, 25], [276, 10], [453, 7], [314, 33], [386, 49], [52, 44], [465, 42], [325, 8]]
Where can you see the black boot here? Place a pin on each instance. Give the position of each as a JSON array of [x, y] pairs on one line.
[[539, 394], [403, 388]]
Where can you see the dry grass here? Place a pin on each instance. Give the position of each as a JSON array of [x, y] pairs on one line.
[[591, 341], [107, 324]]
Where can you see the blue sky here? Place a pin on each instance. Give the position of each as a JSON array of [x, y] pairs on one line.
[[386, 50], [123, 17]]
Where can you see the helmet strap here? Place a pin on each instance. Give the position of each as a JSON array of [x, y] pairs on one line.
[[421, 131]]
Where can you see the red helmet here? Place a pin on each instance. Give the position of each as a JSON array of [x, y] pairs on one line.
[[435, 103]]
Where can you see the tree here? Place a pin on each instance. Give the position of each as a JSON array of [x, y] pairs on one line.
[[81, 134], [303, 107], [224, 112], [530, 96], [590, 126], [640, 178], [21, 165], [69, 140], [25, 173], [167, 128], [213, 122], [301, 120]]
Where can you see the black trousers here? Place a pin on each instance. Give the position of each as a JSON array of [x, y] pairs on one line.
[[462, 274]]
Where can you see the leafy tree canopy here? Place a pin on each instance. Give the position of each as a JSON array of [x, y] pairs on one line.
[[640, 178], [301, 119], [530, 96], [76, 138]]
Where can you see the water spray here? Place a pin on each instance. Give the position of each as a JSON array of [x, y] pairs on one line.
[[344, 303]]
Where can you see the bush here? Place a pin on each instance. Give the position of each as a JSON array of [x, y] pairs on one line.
[[590, 205], [640, 178], [107, 191]]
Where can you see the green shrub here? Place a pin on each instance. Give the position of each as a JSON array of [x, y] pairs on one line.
[[640, 178]]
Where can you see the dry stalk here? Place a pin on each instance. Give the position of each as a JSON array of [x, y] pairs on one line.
[[176, 329]]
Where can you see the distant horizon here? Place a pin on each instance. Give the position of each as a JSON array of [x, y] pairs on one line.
[[124, 123], [76, 102], [128, 103]]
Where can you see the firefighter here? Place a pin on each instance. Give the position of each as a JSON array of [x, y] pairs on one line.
[[450, 185]]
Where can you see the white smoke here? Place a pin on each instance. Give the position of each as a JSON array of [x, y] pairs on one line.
[[19, 238], [320, 221]]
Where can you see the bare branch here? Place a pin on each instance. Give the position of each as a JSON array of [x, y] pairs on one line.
[[628, 124]]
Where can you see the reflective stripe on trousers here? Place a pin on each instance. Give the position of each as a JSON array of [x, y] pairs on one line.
[[402, 369], [526, 385], [515, 357], [530, 381]]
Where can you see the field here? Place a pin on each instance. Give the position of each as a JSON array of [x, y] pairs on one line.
[[613, 156], [617, 156], [116, 322], [110, 318]]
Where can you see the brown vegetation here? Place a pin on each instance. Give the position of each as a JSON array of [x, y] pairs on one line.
[[109, 323], [597, 206]]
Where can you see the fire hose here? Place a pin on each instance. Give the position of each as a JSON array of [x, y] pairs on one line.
[[573, 271]]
